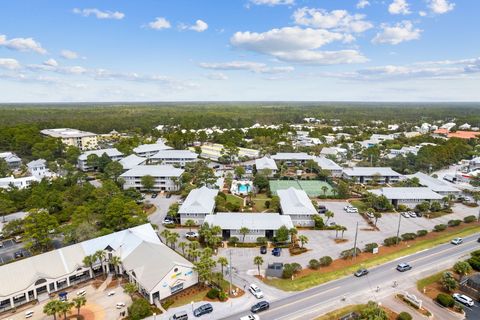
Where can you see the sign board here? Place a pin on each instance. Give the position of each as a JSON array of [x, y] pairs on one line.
[[375, 250]]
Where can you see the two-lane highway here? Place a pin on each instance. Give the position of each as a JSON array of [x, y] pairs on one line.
[[318, 300]]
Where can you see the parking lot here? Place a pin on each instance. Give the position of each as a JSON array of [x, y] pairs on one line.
[[8, 250]]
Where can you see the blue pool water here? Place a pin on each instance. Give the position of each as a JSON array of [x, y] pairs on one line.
[[243, 188]]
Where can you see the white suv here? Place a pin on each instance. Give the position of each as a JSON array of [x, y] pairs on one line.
[[255, 290], [463, 299]]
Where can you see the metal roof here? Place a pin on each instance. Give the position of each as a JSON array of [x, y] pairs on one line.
[[175, 154], [405, 193], [435, 184], [201, 200], [292, 156], [253, 221], [294, 201], [265, 163], [154, 171], [131, 161], [370, 171], [111, 152]]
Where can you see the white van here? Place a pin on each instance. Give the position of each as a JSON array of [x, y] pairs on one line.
[[182, 315], [29, 314]]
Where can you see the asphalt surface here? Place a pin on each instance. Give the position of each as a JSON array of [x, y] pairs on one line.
[[311, 303]]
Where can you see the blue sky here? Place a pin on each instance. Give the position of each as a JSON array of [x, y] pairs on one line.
[[177, 50]]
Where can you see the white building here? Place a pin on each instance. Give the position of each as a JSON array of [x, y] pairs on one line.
[[39, 169], [12, 160], [157, 270], [367, 174], [409, 197], [174, 157], [166, 177], [266, 163], [198, 204], [291, 158], [436, 185], [148, 150], [112, 153], [132, 161], [296, 204], [258, 224], [329, 165], [72, 137], [20, 183], [337, 153]]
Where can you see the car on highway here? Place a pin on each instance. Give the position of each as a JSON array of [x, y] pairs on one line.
[[203, 309], [250, 317], [260, 306], [456, 241], [277, 252], [361, 272], [404, 267], [256, 291], [463, 299], [263, 249], [191, 235]]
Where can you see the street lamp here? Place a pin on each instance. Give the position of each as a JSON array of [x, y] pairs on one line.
[[154, 316], [398, 229]]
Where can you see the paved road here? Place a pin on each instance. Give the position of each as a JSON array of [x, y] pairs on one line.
[[316, 301]]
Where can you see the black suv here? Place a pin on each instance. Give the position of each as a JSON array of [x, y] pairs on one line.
[[263, 249], [260, 306], [203, 309]]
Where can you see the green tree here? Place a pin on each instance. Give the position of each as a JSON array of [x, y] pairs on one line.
[[113, 170], [223, 262], [373, 312], [39, 227], [139, 309], [303, 239], [230, 151], [462, 268], [148, 182], [329, 214], [182, 245], [173, 238], [244, 231], [115, 261], [448, 281], [282, 234], [89, 261], [93, 161], [189, 223], [377, 215], [261, 182], [65, 307], [239, 171], [130, 289], [4, 169], [79, 302], [324, 190], [7, 206], [52, 308], [258, 261]]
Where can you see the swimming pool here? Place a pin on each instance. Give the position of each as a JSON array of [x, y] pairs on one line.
[[244, 188]]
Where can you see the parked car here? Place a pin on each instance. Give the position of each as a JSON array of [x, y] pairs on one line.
[[331, 224], [167, 220], [322, 209], [250, 317], [277, 252], [256, 291], [181, 315], [111, 293], [463, 299], [412, 214], [191, 235], [120, 305], [263, 249], [478, 240], [154, 195], [405, 215], [203, 309], [419, 214], [352, 210], [404, 267], [457, 241], [81, 293], [18, 255], [370, 215], [217, 166], [17, 239], [361, 272], [1, 244], [29, 314], [169, 195], [260, 306], [347, 207]]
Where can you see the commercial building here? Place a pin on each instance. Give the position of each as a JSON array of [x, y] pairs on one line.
[[296, 204], [198, 204], [329, 165], [436, 185], [112, 153], [174, 157], [371, 174], [73, 137], [266, 163], [166, 177], [258, 224], [157, 270], [409, 197]]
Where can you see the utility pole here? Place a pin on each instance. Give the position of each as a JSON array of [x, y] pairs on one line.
[[355, 243], [398, 229], [230, 252]]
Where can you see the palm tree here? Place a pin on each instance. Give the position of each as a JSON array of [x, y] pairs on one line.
[[343, 229], [65, 307], [258, 261], [329, 214], [182, 245], [88, 261], [52, 308], [293, 232], [377, 215], [100, 255], [165, 233], [190, 223], [336, 228], [303, 239], [172, 238], [79, 302], [115, 262], [194, 245], [130, 289], [325, 189], [244, 231], [223, 262]]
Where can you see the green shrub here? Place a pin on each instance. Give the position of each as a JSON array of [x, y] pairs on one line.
[[454, 223], [409, 236], [289, 269], [404, 316], [440, 227], [222, 296], [370, 246], [233, 240], [475, 253], [349, 253], [474, 263], [213, 293], [139, 309], [445, 300], [262, 240], [422, 233], [167, 303], [325, 261], [391, 241], [469, 219], [314, 264]]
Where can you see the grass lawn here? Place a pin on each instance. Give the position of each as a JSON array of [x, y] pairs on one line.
[[197, 296], [422, 283], [259, 204], [360, 205], [235, 200], [336, 314], [316, 278]]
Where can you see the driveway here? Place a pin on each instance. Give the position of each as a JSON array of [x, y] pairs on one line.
[[162, 203]]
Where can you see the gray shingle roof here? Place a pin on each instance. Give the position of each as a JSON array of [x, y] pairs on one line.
[[294, 201]]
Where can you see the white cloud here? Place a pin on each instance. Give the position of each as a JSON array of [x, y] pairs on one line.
[[68, 54], [272, 2], [295, 44], [51, 63], [361, 4], [217, 76], [99, 14], [399, 7], [422, 13], [256, 67], [21, 44], [338, 20], [441, 6], [199, 26], [400, 32], [8, 63], [159, 23]]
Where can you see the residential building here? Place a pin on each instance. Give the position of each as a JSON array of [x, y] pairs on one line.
[[148, 150], [474, 164], [157, 270], [20, 183], [292, 158], [112, 153], [371, 174], [132, 161], [296, 204], [166, 177], [333, 152], [72, 137], [198, 204], [266, 163], [409, 197], [329, 165], [39, 169], [213, 151], [12, 160], [258, 224], [436, 185], [174, 157]]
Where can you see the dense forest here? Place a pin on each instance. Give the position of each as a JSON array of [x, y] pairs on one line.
[[102, 118]]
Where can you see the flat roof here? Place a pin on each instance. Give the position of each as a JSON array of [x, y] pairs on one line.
[[67, 133]]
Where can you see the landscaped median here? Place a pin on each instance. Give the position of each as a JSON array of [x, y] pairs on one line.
[[339, 268]]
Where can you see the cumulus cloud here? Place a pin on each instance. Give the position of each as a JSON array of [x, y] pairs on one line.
[[295, 44], [68, 54], [51, 63], [441, 6], [256, 67], [338, 20], [159, 23], [399, 7], [398, 33], [8, 63], [422, 13], [199, 26], [361, 4], [21, 44], [217, 76], [272, 2], [99, 14]]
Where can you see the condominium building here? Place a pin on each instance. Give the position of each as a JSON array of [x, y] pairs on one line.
[[72, 137], [166, 177]]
